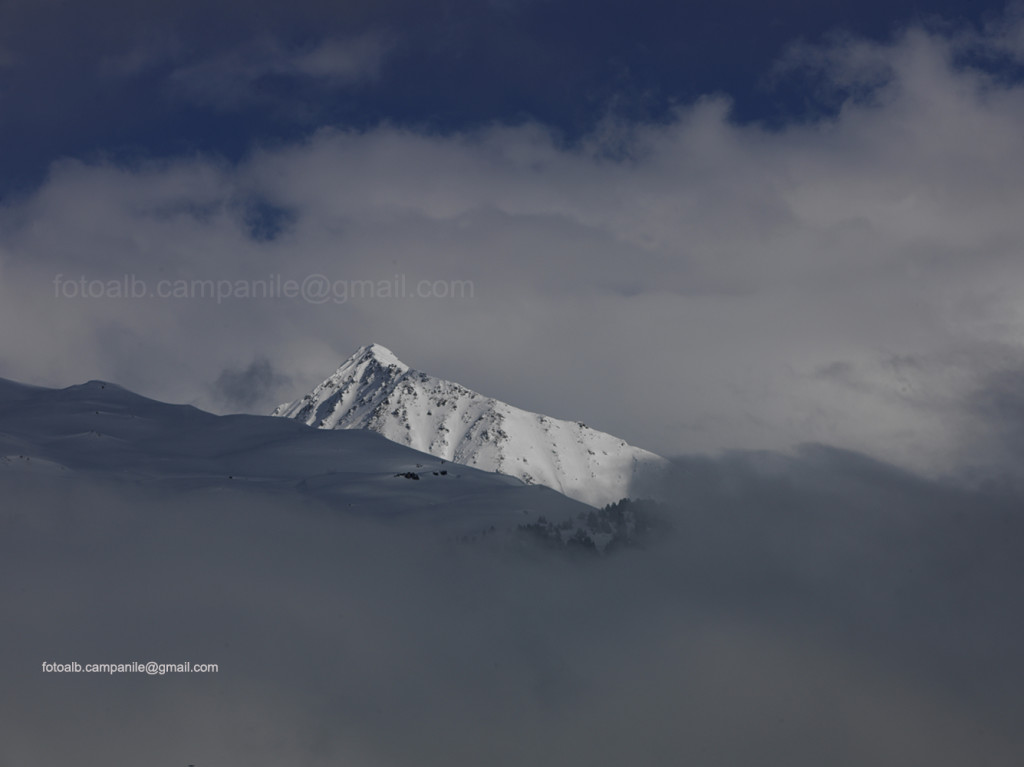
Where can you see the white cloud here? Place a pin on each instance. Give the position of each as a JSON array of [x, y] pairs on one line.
[[233, 77], [143, 55], [681, 284], [349, 60], [1007, 31]]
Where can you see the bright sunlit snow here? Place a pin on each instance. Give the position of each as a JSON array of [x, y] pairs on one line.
[[374, 390]]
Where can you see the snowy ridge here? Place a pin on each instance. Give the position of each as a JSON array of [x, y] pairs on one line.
[[100, 431], [374, 390]]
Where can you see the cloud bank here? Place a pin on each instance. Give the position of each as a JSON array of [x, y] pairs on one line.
[[818, 609]]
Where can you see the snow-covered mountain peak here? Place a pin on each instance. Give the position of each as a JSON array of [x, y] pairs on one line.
[[369, 361], [359, 384], [374, 390], [381, 354]]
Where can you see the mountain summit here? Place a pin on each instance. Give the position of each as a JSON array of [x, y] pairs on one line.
[[375, 390]]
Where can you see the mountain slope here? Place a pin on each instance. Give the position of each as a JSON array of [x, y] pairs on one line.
[[100, 431], [374, 390]]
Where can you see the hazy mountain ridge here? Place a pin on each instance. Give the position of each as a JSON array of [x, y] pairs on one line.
[[375, 390]]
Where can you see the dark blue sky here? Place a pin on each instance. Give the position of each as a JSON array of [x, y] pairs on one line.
[[105, 79]]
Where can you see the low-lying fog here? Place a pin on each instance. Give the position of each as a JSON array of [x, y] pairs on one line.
[[817, 610]]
